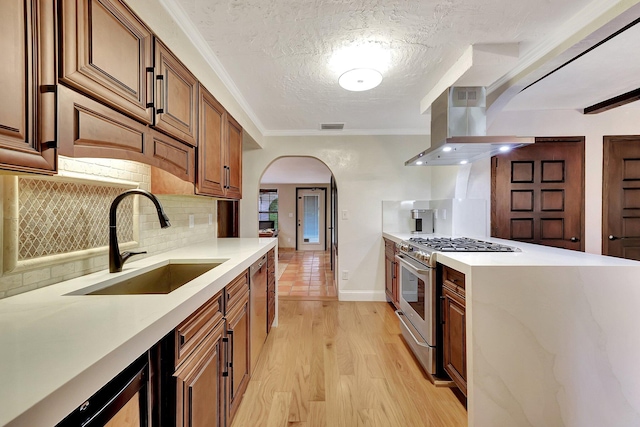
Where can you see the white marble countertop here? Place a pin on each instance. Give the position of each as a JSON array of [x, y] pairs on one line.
[[56, 349], [529, 255], [551, 337]]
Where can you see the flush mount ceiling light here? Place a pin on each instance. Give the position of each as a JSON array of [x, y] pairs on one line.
[[360, 79]]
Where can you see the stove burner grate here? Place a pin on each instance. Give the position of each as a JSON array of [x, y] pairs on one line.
[[460, 244]]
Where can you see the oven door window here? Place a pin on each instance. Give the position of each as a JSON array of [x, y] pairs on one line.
[[413, 291]]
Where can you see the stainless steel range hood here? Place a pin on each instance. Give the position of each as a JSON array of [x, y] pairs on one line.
[[459, 130]]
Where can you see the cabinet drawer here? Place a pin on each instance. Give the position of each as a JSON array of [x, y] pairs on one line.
[[235, 290], [454, 277], [193, 330]]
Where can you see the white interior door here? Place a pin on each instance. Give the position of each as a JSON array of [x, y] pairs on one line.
[[311, 219]]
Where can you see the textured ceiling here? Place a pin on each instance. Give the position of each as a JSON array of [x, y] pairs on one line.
[[278, 52]]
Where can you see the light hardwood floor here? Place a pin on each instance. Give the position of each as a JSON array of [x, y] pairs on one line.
[[333, 363]]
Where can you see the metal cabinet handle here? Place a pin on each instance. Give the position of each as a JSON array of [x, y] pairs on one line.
[[150, 88], [160, 93], [226, 357]]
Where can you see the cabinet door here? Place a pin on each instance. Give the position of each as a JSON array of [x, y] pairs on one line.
[[238, 334], [454, 338], [389, 273], [106, 52], [234, 159], [176, 96], [211, 142], [27, 110], [200, 387]]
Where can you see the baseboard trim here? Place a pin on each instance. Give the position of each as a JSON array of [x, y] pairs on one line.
[[350, 295]]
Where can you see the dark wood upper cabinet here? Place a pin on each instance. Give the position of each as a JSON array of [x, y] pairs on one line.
[[176, 96], [211, 146], [90, 129], [107, 53], [27, 110], [234, 159], [219, 150]]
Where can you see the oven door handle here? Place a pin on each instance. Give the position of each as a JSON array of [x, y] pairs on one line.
[[421, 343], [411, 266]]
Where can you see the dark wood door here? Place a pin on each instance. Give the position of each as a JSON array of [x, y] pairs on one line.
[[200, 384], [454, 338], [234, 159], [239, 357], [537, 193], [211, 146], [27, 90], [621, 197], [106, 52], [176, 96]]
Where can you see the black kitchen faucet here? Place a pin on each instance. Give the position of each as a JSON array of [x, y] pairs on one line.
[[116, 259]]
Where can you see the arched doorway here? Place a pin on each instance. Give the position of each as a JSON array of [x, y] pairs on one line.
[[297, 203]]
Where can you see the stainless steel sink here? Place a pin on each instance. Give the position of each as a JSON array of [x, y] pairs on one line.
[[161, 280]]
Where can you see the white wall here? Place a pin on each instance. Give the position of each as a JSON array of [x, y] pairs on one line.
[[368, 170], [620, 121]]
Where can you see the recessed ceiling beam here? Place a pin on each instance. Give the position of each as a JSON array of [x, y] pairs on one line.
[[616, 101]]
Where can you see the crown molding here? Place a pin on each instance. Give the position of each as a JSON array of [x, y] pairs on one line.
[[348, 132], [189, 29]]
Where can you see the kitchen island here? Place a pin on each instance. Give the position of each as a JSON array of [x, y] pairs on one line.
[[551, 338], [57, 349]]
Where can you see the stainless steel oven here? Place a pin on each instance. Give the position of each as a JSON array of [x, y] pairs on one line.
[[417, 304], [419, 293]]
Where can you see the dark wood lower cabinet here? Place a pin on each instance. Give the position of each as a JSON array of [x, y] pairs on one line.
[[271, 288], [391, 272], [238, 352], [454, 333], [200, 387], [204, 363]]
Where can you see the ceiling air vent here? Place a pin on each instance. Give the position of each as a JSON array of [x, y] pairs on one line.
[[331, 126]]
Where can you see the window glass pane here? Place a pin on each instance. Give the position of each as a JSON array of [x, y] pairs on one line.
[[268, 208], [311, 232]]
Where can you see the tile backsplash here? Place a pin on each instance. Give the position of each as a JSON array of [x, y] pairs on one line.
[[61, 217], [62, 222]]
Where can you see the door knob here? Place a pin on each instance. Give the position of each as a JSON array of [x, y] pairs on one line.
[[612, 237], [574, 239]]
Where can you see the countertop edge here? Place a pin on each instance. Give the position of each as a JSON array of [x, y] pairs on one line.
[[55, 405]]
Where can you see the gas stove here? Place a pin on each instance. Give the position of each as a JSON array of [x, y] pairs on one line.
[[420, 248]]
